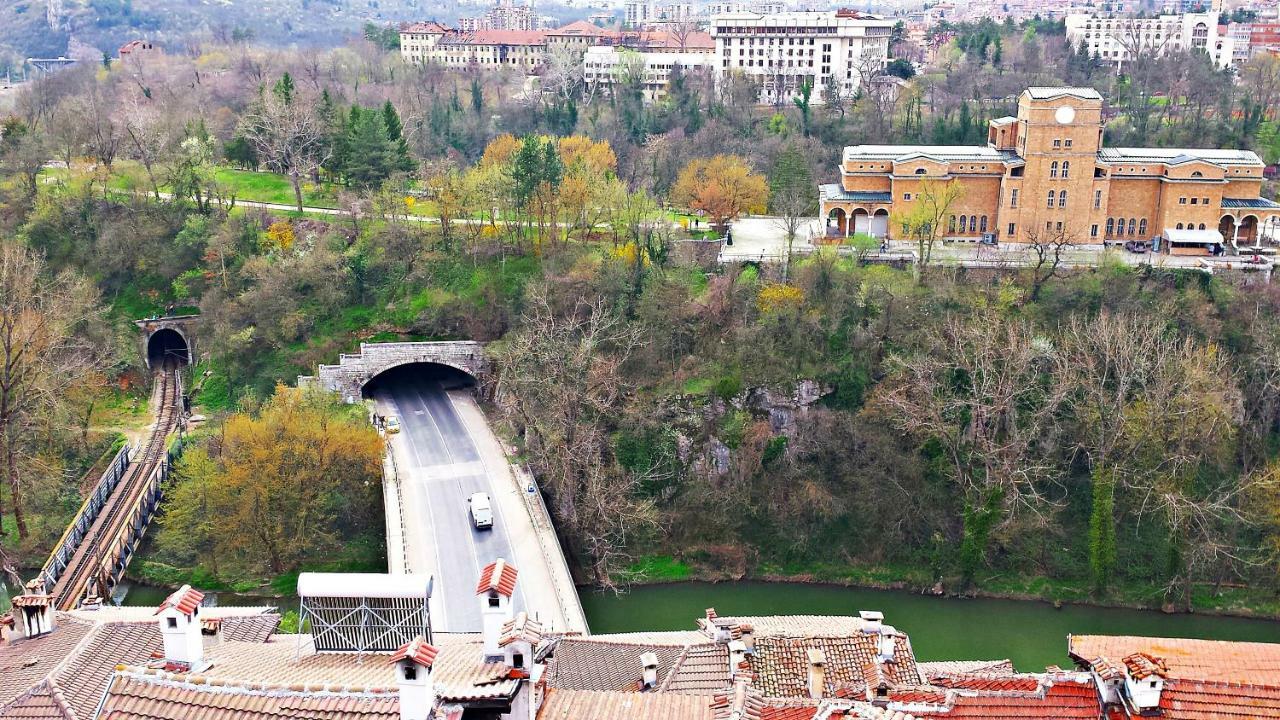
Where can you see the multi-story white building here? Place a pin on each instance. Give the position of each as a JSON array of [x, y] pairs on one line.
[[1118, 40], [639, 13], [829, 50], [492, 49], [603, 66], [418, 40]]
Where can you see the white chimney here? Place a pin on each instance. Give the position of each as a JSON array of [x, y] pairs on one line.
[[872, 620], [33, 615], [497, 585], [413, 677], [748, 637], [179, 618], [648, 671], [888, 643], [817, 672], [1144, 680], [737, 656]]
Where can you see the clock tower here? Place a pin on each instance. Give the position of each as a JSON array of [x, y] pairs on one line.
[[1059, 132]]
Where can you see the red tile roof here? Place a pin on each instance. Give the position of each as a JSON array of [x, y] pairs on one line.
[[581, 28], [1246, 663], [497, 37], [1189, 700], [1059, 699], [1143, 665], [431, 27], [185, 599], [498, 576], [418, 650]]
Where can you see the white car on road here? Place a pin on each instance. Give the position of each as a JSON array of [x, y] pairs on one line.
[[481, 511]]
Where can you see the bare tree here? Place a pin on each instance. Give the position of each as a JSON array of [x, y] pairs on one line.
[[1048, 249], [560, 380], [288, 136], [43, 352], [147, 131]]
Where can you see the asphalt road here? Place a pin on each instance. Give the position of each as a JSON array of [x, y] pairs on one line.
[[440, 468]]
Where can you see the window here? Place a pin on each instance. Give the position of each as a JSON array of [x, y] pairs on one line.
[[1197, 174], [1066, 168], [172, 622], [1067, 142], [951, 224], [906, 196], [1179, 226], [1195, 201], [1053, 170], [1013, 198], [1111, 227], [1093, 231], [1133, 226], [1012, 228], [964, 220], [1097, 199], [1057, 143], [410, 671], [1058, 228], [517, 659], [982, 226], [1053, 194], [1205, 201], [1062, 199], [1142, 227], [1201, 226], [1182, 201], [921, 171]]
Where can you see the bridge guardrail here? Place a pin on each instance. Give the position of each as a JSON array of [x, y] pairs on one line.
[[395, 536], [88, 512], [554, 555]]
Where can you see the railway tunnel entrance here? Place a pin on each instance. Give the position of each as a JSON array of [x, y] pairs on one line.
[[167, 344]]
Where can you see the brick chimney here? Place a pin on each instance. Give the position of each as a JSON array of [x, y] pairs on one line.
[[497, 585], [179, 618], [817, 672], [413, 663], [648, 671]]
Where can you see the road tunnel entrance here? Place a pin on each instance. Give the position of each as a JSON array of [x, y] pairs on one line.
[[167, 344], [445, 377]]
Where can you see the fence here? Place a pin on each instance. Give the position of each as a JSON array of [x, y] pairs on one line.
[[89, 509]]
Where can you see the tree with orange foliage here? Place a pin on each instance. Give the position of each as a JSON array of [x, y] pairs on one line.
[[722, 186]]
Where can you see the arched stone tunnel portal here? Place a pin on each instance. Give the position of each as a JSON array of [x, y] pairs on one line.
[[167, 344], [416, 374]]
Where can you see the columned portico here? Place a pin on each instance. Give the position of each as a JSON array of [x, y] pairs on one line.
[[851, 213]]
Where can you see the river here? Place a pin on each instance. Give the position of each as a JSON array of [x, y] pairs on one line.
[[1031, 634]]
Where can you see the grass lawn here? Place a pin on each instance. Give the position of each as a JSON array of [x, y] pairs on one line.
[[275, 188]]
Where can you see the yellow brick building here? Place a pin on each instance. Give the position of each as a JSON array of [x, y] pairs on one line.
[[1045, 174]]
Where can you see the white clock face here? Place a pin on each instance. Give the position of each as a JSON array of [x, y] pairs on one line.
[[1065, 115]]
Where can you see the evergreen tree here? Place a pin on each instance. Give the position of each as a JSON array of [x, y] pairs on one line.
[[527, 169], [477, 97], [284, 88], [370, 156], [395, 134], [1102, 532]]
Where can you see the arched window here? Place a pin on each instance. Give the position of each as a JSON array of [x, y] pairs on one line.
[[1053, 169], [964, 224], [1053, 194], [1142, 227], [1066, 168], [1133, 226], [1111, 226], [921, 171], [983, 225], [1062, 199], [1201, 226], [951, 224], [1197, 174], [1119, 226], [1179, 226]]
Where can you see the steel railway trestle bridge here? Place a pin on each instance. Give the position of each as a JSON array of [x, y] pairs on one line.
[[96, 547]]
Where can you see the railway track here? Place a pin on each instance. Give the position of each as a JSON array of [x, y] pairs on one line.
[[91, 564]]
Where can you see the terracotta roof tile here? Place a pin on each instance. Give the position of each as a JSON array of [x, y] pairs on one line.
[[498, 576], [561, 704], [587, 664], [521, 627], [795, 625], [41, 703], [145, 696], [419, 650], [85, 676], [27, 663], [1191, 700], [952, 667], [248, 628], [1213, 660], [782, 667], [185, 599], [700, 669]]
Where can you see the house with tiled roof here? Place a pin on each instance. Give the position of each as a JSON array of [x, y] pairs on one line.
[[1181, 679], [1044, 176]]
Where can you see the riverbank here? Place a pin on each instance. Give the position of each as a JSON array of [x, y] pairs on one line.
[[1254, 603]]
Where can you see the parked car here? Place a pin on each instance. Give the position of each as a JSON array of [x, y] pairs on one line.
[[393, 425], [1137, 246], [481, 511]]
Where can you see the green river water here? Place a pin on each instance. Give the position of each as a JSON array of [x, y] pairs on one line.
[[1032, 634]]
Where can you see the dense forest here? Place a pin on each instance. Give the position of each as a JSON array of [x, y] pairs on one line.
[[1107, 433]]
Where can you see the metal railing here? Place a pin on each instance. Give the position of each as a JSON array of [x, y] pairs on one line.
[[391, 484], [554, 556], [89, 509]]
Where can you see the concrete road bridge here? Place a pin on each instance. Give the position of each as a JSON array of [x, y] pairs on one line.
[[444, 453]]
